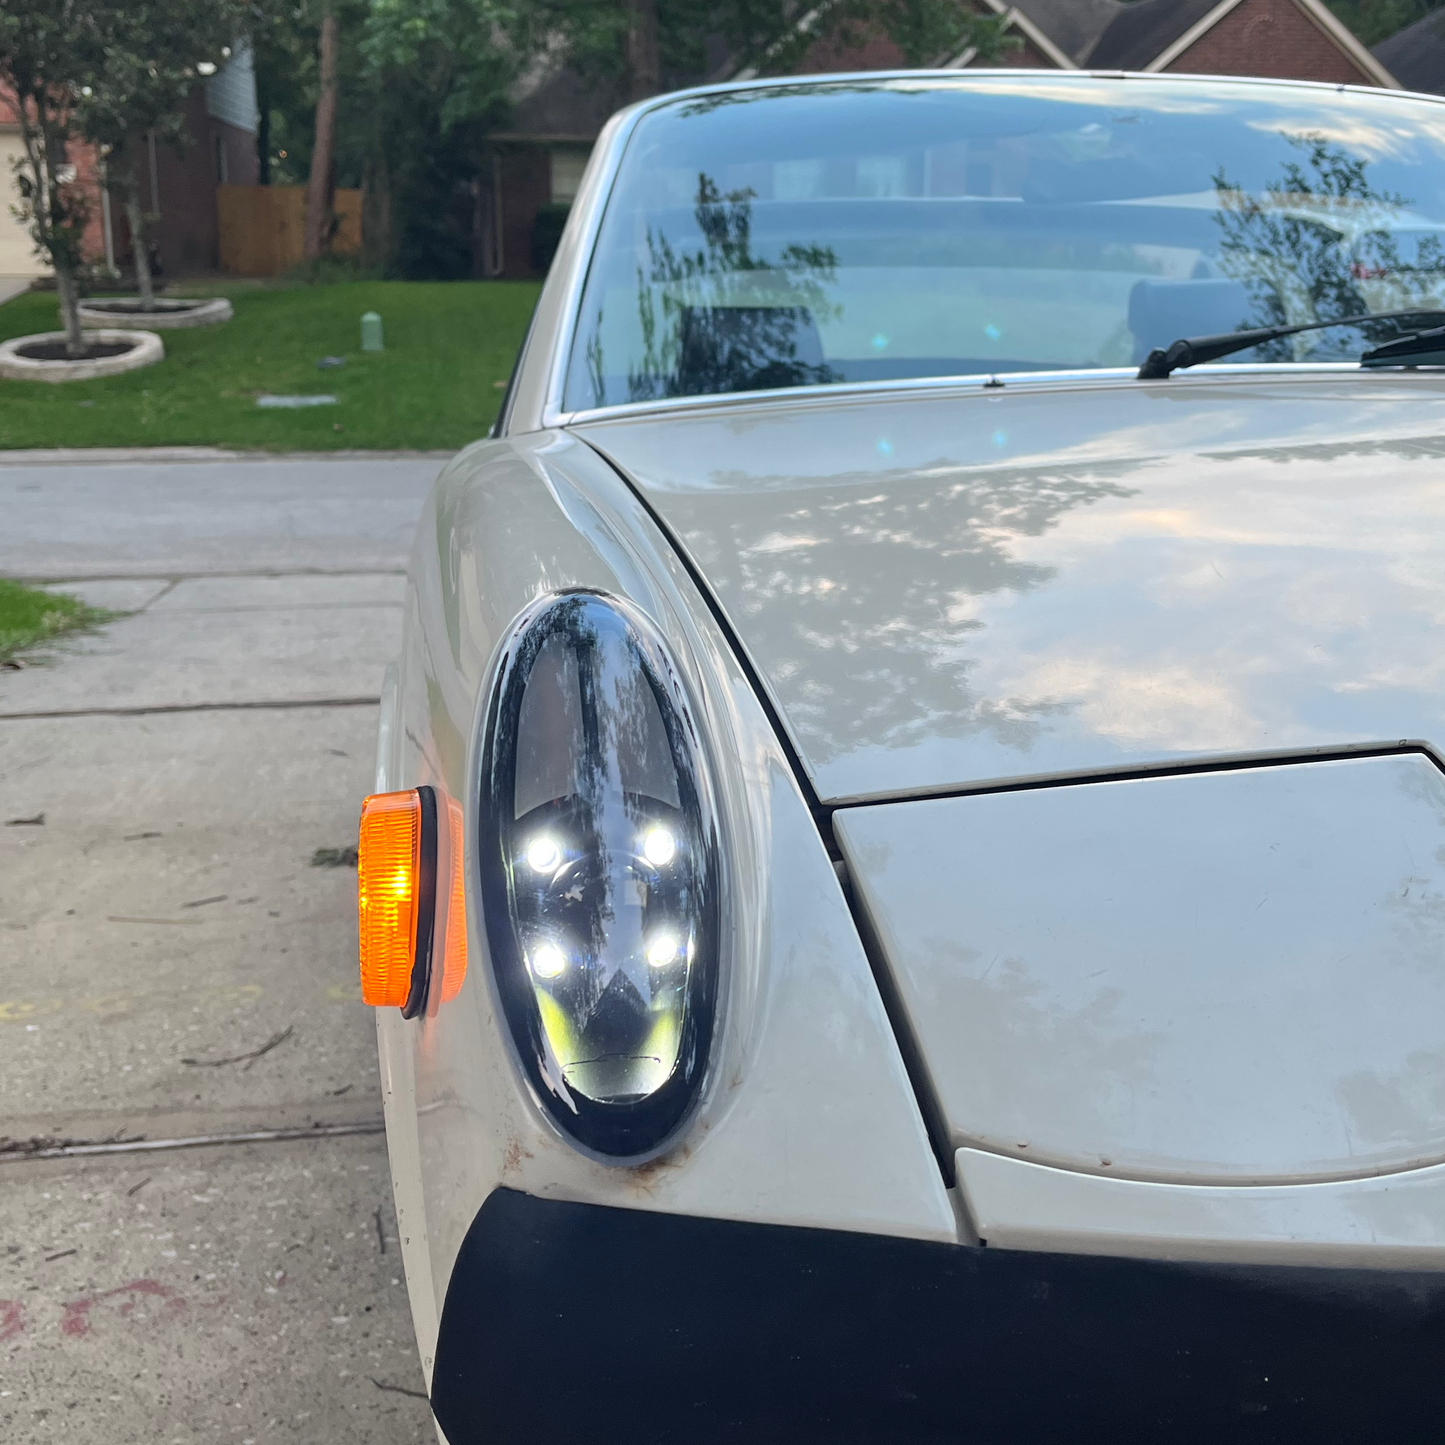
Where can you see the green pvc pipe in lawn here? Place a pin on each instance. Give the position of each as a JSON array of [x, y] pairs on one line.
[[371, 332]]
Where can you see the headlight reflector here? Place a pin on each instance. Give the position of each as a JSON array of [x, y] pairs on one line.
[[598, 848]]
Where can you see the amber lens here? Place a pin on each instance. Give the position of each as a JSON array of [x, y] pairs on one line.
[[387, 858], [454, 957]]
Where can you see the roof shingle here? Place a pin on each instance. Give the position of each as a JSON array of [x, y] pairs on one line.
[[1142, 31], [1073, 25], [1415, 56]]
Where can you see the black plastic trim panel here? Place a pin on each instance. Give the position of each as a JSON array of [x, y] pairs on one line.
[[573, 1322]]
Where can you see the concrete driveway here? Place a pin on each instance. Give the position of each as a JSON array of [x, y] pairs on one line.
[[176, 965]]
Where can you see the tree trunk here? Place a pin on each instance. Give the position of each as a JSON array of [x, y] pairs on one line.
[[318, 189], [69, 295], [139, 250], [644, 70], [263, 143], [45, 154], [376, 214]]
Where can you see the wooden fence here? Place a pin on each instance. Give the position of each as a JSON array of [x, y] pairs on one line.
[[263, 228]]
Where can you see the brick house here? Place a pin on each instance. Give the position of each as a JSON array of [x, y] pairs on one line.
[[221, 121], [1288, 39], [539, 158]]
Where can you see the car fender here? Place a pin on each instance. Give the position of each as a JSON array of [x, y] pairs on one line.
[[807, 1115]]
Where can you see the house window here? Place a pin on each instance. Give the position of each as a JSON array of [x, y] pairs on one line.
[[568, 163]]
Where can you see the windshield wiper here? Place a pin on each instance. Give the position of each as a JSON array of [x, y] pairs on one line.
[[1424, 348], [1195, 350]]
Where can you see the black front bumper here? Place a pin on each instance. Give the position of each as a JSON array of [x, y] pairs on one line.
[[574, 1324]]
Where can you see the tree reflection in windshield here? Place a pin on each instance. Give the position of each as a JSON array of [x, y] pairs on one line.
[[730, 320], [1322, 241]]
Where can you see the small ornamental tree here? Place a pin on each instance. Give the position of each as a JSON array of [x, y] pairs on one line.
[[49, 52], [153, 54]]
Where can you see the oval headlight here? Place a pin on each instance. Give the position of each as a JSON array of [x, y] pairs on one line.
[[600, 873]]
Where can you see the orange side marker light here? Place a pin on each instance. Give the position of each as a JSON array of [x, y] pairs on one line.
[[388, 869]]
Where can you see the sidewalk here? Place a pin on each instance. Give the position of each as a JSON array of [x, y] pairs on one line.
[[172, 965]]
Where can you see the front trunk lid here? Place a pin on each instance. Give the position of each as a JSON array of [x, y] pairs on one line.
[[947, 589]]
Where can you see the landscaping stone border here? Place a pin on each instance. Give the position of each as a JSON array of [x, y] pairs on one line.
[[171, 313], [147, 350]]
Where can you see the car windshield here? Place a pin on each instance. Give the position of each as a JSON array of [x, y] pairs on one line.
[[864, 230]]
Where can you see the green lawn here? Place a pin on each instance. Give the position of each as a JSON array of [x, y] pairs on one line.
[[449, 346], [30, 617]]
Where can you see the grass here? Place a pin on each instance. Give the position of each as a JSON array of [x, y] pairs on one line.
[[30, 617], [449, 351]]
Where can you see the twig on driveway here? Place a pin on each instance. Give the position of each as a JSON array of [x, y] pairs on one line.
[[399, 1389], [334, 858], [380, 1233], [248, 1059]]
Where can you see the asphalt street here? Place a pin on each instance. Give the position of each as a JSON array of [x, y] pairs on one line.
[[175, 964]]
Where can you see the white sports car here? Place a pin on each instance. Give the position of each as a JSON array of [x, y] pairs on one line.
[[906, 892]]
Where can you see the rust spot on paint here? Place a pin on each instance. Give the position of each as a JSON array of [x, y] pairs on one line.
[[513, 1155], [647, 1176]]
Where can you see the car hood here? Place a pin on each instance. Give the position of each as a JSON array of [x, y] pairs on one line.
[[947, 589]]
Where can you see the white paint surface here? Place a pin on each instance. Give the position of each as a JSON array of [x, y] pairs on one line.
[[1234, 976], [1393, 1222]]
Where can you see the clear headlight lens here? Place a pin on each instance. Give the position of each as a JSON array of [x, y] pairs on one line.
[[599, 863]]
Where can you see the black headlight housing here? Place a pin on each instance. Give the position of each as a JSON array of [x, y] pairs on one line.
[[598, 849]]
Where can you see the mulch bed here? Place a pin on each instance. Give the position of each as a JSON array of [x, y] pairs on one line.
[[128, 307], [91, 351]]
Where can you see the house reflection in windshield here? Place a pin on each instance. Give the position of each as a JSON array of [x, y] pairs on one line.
[[721, 318]]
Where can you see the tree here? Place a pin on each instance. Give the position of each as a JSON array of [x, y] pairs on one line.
[[320, 187], [441, 73], [1376, 20], [642, 57], [152, 55], [1306, 245], [49, 52], [928, 32], [650, 45], [465, 53]]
